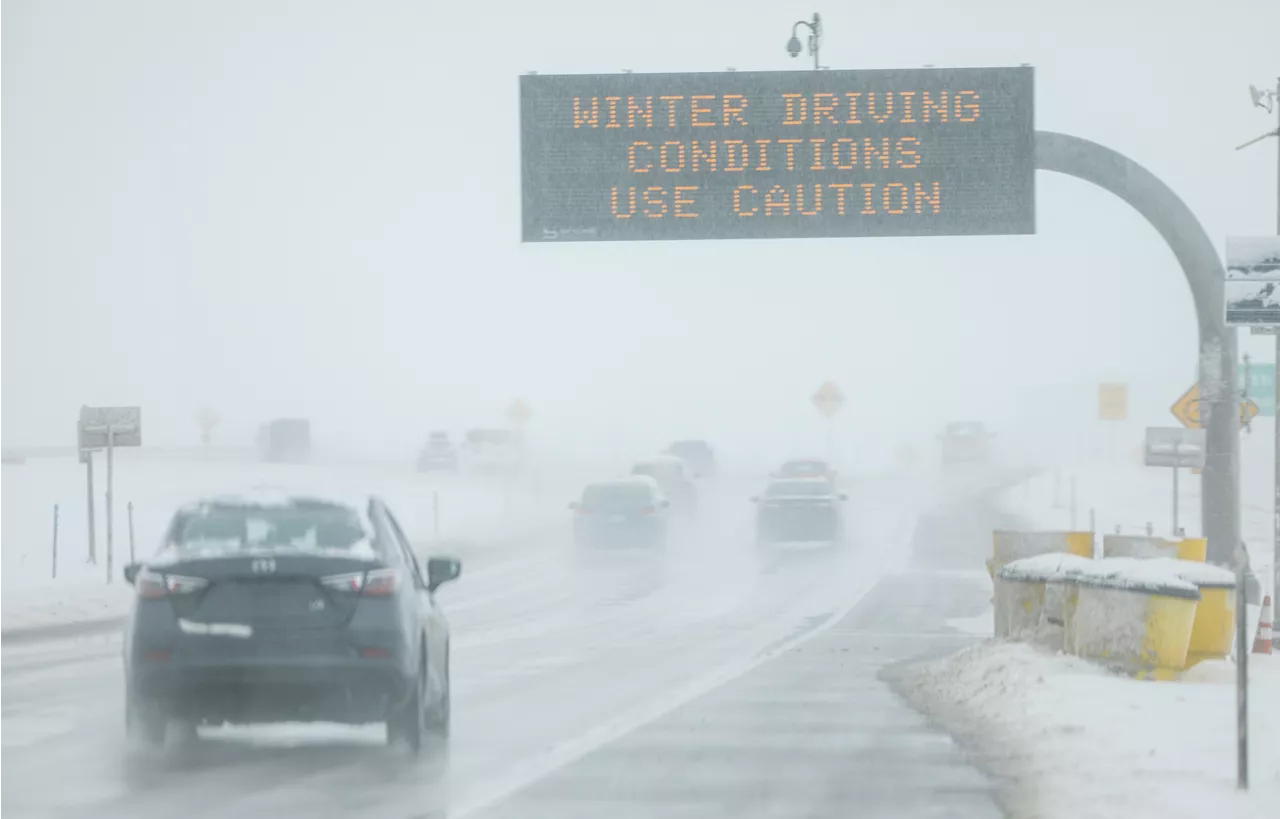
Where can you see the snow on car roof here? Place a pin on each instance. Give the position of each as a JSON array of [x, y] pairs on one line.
[[276, 496], [660, 459], [800, 486]]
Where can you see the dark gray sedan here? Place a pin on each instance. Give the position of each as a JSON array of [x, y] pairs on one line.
[[275, 608], [800, 509], [628, 512]]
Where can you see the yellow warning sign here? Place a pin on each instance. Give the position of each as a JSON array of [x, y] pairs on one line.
[[828, 399], [1187, 409], [1113, 402]]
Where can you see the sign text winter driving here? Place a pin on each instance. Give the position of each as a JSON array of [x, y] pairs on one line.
[[777, 154]]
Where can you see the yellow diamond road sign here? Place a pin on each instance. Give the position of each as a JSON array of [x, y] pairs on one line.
[[519, 413], [828, 399], [1187, 409]]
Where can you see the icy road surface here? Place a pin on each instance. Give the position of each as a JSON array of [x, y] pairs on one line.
[[707, 681]]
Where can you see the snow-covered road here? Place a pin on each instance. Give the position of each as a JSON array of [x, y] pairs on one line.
[[562, 662]]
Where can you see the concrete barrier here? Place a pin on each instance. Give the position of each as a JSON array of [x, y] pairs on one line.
[[1150, 617], [1008, 546], [1136, 615], [1035, 594], [1144, 546]]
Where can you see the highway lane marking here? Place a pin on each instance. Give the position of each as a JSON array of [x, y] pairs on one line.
[[536, 768]]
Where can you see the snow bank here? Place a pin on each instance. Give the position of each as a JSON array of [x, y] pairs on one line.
[[1069, 740]]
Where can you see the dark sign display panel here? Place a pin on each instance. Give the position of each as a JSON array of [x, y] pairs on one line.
[[778, 154]]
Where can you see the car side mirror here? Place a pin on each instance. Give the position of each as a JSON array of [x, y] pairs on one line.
[[131, 572], [843, 496], [441, 570], [664, 504], [755, 498], [574, 504]]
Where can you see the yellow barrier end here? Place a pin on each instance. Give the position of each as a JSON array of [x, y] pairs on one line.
[[1193, 548]]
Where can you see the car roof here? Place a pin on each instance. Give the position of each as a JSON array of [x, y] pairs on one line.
[[632, 480], [814, 481], [280, 498], [660, 459]]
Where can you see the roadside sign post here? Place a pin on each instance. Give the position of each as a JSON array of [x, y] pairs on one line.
[[1242, 670], [1174, 447], [829, 399], [86, 458], [108, 428]]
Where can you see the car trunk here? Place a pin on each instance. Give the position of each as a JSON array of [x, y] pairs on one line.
[[798, 519], [268, 591]]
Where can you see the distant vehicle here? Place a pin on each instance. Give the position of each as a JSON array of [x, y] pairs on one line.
[[273, 608], [675, 478], [628, 512], [805, 468], [799, 509], [697, 454], [438, 455], [491, 451], [285, 440], [965, 442]]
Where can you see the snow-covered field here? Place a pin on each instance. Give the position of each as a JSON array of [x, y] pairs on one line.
[[471, 510], [1070, 739]]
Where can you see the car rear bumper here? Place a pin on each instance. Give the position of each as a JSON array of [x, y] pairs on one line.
[[354, 690], [631, 533]]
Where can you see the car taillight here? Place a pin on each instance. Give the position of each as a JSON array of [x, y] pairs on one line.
[[649, 510], [153, 585], [376, 583], [381, 582]]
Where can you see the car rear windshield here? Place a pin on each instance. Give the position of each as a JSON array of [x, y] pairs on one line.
[[792, 488], [301, 526], [803, 467], [616, 495], [660, 471], [490, 437], [690, 448]]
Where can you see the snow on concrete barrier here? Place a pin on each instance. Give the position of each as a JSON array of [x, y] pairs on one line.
[[1044, 579], [1142, 616]]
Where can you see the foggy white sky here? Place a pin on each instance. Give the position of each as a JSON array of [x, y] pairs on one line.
[[313, 208]]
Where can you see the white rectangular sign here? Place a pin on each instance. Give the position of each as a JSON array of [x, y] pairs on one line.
[[1253, 258], [1174, 447], [119, 426]]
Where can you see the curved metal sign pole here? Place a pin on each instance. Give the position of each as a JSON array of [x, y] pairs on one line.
[[1219, 499]]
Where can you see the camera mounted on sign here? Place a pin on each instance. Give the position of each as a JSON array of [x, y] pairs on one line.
[[815, 38]]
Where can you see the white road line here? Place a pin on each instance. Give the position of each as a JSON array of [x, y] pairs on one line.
[[539, 767]]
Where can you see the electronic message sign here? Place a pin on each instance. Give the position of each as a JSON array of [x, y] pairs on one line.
[[741, 155]]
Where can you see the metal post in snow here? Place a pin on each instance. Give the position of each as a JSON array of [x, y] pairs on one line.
[[1275, 502], [1175, 500], [93, 535], [111, 445], [1057, 489], [1242, 673], [132, 559], [1093, 520], [1073, 503], [55, 541]]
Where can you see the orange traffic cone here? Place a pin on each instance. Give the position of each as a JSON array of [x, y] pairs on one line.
[[1262, 642]]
